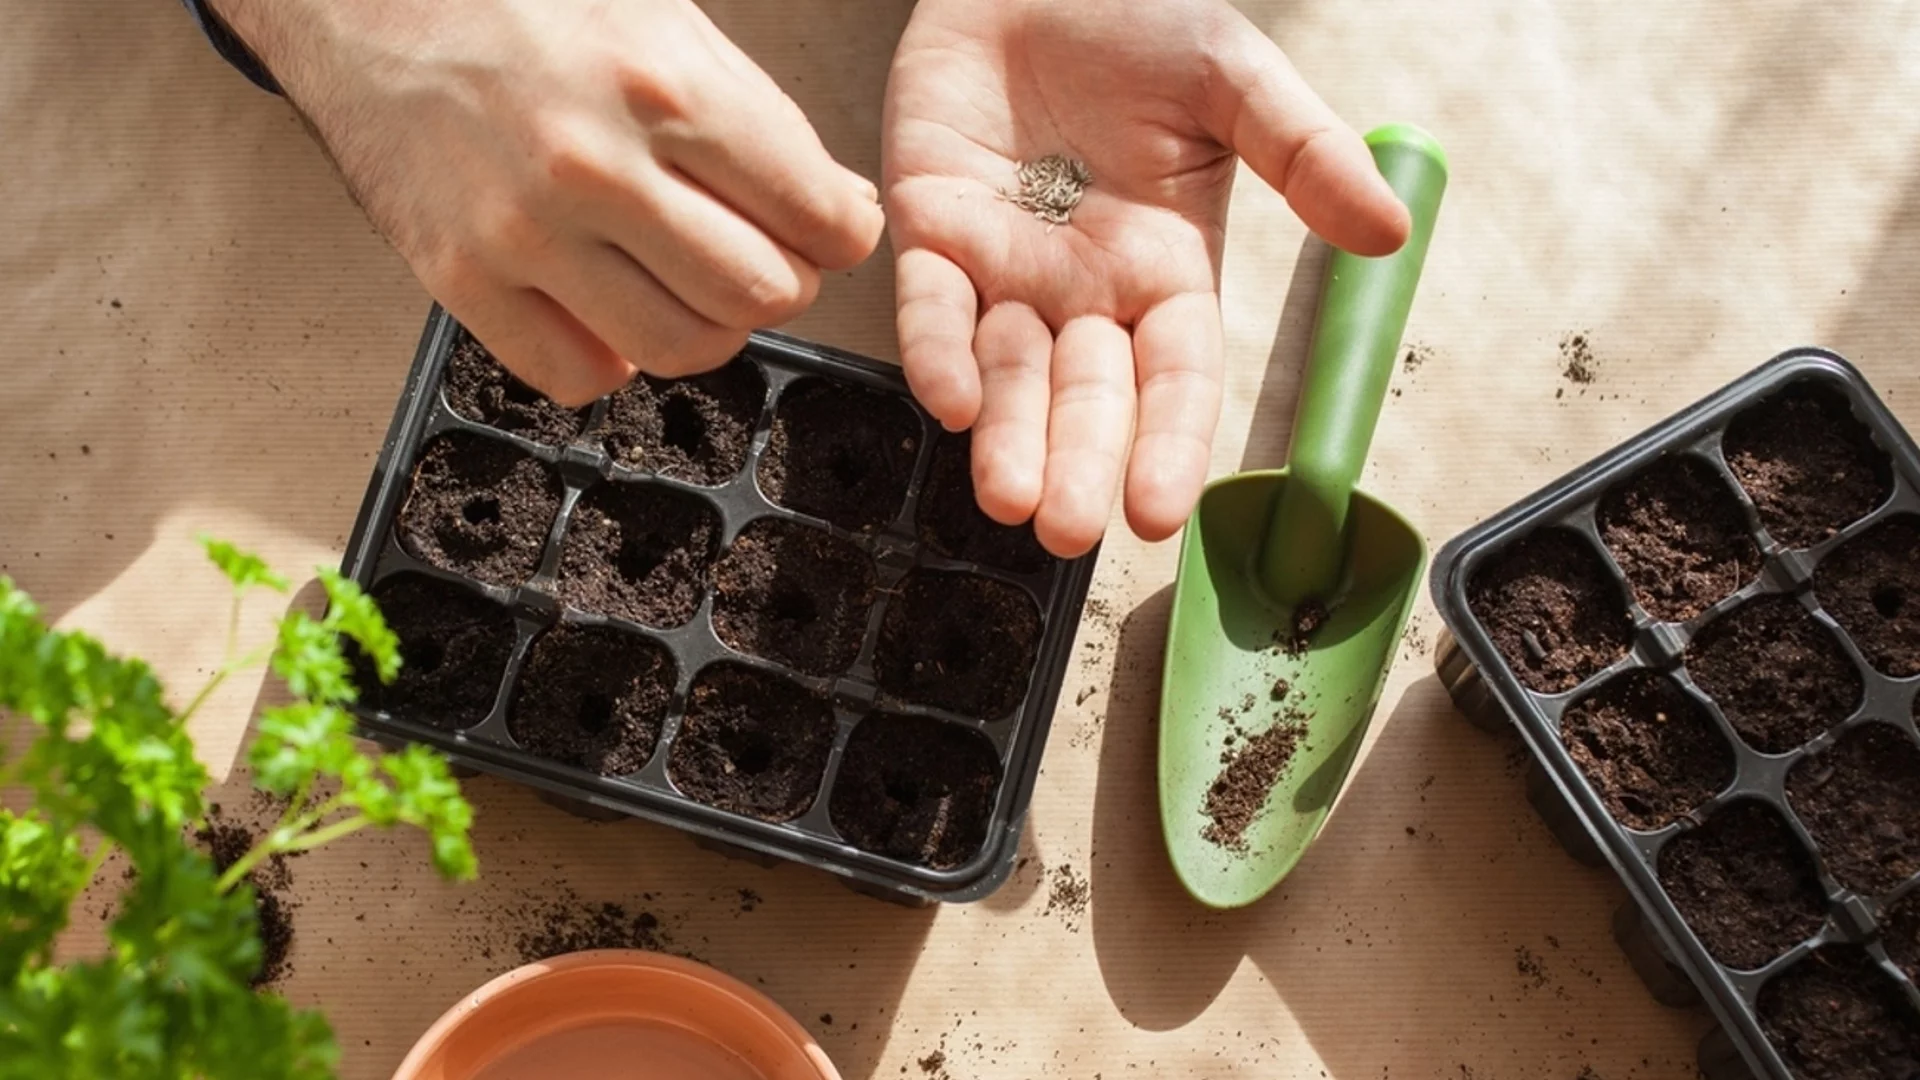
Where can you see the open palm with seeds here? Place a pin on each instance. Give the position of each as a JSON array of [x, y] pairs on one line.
[[1056, 179]]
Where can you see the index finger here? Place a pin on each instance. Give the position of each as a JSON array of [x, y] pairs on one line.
[[756, 151], [1177, 355]]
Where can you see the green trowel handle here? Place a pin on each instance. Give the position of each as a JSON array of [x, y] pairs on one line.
[[1356, 338]]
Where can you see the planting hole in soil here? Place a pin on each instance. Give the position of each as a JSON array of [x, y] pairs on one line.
[[1679, 534], [1648, 748], [793, 594], [1871, 587], [694, 429], [454, 645], [480, 507], [1860, 800], [1552, 610], [1744, 884], [592, 697], [1810, 467], [1836, 1015], [958, 642], [481, 389], [638, 552], [1776, 673], [952, 524], [916, 789], [841, 453], [752, 744]]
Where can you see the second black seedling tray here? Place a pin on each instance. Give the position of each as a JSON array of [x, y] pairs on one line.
[[1709, 640], [767, 612]]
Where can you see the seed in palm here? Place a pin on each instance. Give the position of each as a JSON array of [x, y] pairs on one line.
[[1050, 188]]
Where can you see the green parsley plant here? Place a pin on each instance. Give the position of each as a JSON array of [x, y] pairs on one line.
[[109, 768]]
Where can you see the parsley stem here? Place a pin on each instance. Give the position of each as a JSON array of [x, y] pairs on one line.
[[233, 628], [252, 659], [285, 837], [299, 803], [343, 827], [95, 861]]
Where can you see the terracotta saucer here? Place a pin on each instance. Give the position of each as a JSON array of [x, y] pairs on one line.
[[616, 1015]]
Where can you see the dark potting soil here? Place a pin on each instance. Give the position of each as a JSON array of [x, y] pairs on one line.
[[959, 642], [226, 842], [1238, 795], [559, 922], [1871, 587], [592, 697], [1776, 673], [454, 645], [481, 389], [1744, 884], [1900, 933], [1810, 467], [916, 789], [638, 552], [694, 429], [1860, 800], [752, 744], [951, 522], [794, 594], [1679, 534], [1837, 1016], [841, 453], [1649, 749], [480, 507], [1552, 610]]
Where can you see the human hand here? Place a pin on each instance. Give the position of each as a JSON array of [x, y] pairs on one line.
[[593, 189], [1078, 351]]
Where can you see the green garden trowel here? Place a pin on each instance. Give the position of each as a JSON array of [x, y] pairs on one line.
[[1294, 588]]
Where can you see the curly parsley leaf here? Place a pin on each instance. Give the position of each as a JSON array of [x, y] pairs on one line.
[[109, 768], [244, 569]]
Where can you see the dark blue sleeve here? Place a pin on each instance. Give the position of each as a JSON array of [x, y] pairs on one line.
[[231, 47]]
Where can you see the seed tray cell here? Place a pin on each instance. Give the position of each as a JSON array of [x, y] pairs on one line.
[[707, 603], [1707, 640]]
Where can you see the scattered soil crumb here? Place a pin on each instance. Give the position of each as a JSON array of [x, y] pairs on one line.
[[1416, 357], [1531, 969], [226, 842], [1308, 618], [1070, 896], [1281, 688], [1238, 795], [934, 1064], [563, 922], [1577, 362], [750, 900]]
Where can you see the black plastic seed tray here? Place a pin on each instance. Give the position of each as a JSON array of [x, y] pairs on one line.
[[1008, 738], [1734, 738]]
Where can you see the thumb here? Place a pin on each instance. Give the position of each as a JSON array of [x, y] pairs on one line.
[[1263, 111]]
